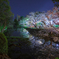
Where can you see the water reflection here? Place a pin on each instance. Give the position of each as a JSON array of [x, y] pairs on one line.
[[39, 41], [57, 45]]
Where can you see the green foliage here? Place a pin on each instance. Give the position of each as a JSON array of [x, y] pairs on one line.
[[9, 31], [1, 27], [56, 26], [56, 58], [22, 17], [5, 13], [55, 0], [16, 24], [4, 9], [3, 44]]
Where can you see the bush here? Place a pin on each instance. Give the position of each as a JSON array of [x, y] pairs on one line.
[[3, 44], [9, 31]]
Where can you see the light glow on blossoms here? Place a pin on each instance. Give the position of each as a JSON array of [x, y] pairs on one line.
[[46, 19]]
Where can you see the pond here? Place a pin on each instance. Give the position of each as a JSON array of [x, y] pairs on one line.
[[39, 40], [39, 46], [45, 45]]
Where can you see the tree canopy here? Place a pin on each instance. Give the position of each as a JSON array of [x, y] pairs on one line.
[[5, 13]]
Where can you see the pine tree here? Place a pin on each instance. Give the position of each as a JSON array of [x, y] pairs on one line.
[[16, 24]]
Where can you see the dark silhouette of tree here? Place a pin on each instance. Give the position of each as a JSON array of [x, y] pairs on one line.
[[5, 13], [21, 17], [16, 24], [56, 3]]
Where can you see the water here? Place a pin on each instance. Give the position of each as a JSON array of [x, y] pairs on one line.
[[39, 46], [36, 41]]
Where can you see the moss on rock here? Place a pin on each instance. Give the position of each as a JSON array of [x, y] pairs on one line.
[[3, 44]]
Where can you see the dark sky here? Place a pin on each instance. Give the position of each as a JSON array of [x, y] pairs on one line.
[[24, 7]]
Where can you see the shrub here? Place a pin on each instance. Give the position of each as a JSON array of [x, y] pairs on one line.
[[3, 44], [9, 31]]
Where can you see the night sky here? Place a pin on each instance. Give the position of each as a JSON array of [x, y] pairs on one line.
[[24, 7]]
